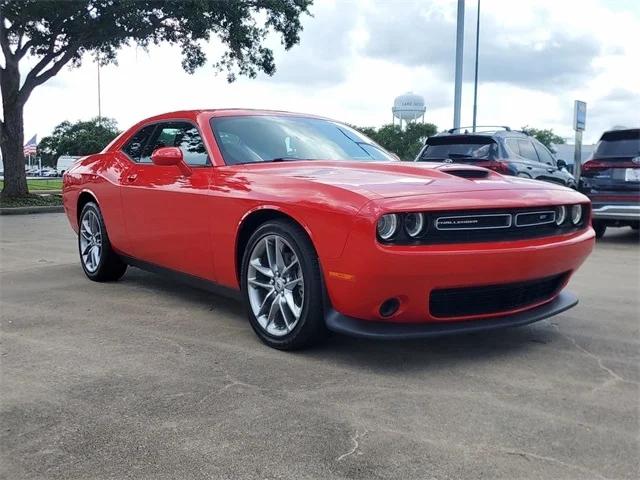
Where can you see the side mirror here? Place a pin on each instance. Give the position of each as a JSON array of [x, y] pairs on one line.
[[561, 163], [167, 156]]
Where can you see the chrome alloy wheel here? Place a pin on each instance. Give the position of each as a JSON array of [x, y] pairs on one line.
[[90, 241], [275, 285]]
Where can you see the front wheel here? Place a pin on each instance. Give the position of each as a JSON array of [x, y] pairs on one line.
[[282, 288], [599, 228], [99, 262]]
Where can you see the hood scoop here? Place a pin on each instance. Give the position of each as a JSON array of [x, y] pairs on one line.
[[471, 173]]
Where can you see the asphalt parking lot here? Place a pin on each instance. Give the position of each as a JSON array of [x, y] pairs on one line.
[[148, 379]]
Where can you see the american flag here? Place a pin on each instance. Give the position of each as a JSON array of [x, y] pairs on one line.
[[31, 147]]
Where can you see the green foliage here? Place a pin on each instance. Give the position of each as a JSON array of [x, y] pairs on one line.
[[80, 138], [546, 136], [62, 32], [404, 143], [59, 33], [31, 201]]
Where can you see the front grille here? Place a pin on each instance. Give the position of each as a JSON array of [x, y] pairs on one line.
[[490, 225], [468, 301], [473, 222]]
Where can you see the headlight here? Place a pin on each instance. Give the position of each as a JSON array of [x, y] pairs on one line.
[[414, 224], [561, 214], [576, 214], [387, 226]]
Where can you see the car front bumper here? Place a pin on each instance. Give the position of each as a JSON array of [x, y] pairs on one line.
[[393, 331], [622, 212], [367, 274]]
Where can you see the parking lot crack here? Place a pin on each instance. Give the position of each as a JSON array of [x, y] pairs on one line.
[[356, 444], [231, 382], [529, 456], [613, 376]]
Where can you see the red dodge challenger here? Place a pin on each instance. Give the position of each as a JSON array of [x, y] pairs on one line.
[[318, 228]]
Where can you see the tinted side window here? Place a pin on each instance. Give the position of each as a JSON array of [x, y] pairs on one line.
[[544, 154], [186, 137], [512, 144], [527, 150], [135, 147]]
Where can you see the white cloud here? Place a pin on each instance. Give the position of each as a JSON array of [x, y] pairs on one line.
[[537, 56]]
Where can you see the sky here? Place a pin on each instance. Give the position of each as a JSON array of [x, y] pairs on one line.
[[536, 58]]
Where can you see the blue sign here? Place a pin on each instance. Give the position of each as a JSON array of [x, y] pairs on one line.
[[579, 115]]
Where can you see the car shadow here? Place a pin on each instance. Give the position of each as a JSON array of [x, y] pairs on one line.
[[196, 296], [378, 355], [438, 352], [620, 236]]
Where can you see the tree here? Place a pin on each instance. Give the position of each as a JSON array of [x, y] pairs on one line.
[[80, 138], [546, 136], [404, 143], [61, 33]]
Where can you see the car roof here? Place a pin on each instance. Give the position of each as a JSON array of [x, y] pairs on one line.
[[225, 112], [618, 133], [484, 133]]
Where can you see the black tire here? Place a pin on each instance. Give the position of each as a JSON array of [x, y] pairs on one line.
[[310, 327], [599, 228], [110, 266]]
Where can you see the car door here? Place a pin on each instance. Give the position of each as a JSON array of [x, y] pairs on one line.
[[522, 164], [167, 214], [550, 170], [533, 166]]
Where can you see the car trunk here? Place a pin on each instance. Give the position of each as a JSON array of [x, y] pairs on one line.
[[615, 165]]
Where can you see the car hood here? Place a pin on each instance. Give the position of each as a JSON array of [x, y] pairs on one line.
[[399, 179]]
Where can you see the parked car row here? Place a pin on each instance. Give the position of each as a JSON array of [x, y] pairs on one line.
[[42, 172], [501, 149], [610, 177]]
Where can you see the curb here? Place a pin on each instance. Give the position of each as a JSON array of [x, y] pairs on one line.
[[46, 192], [34, 209]]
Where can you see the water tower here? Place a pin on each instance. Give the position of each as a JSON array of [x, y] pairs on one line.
[[408, 108]]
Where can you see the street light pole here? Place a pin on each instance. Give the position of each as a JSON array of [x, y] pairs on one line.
[[99, 95], [457, 100], [475, 83]]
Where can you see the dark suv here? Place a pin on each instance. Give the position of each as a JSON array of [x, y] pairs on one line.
[[506, 151], [611, 179]]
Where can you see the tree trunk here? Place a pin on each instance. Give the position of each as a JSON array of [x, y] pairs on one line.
[[12, 134]]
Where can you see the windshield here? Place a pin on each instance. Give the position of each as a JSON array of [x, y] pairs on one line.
[[264, 138], [474, 148]]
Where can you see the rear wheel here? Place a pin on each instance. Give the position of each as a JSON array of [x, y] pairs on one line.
[[599, 228], [281, 286], [99, 262]]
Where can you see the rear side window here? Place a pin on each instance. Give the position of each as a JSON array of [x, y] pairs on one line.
[[527, 150], [186, 137], [621, 143], [136, 148], [512, 144], [544, 154]]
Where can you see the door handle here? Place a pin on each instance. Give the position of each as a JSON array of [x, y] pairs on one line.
[[132, 178], [550, 170]]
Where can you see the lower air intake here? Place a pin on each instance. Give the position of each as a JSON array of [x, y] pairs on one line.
[[468, 301]]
